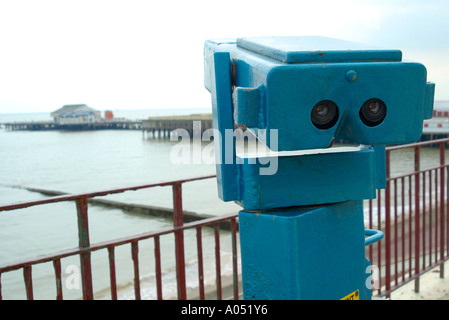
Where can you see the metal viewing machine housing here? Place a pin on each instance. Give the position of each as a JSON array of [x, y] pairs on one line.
[[302, 227]]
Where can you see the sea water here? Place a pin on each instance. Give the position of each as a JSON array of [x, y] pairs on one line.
[[83, 161]]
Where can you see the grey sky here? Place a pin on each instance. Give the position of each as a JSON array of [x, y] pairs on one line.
[[147, 54]]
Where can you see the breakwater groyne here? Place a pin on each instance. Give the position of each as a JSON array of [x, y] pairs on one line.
[[143, 209]]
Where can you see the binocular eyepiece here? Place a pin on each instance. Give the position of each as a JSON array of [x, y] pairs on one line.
[[373, 112], [325, 114]]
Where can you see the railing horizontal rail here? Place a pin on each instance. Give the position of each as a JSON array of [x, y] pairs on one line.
[[418, 144], [73, 197], [413, 173], [115, 242]]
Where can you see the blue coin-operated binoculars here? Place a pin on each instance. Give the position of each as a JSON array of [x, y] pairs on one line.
[[302, 229]]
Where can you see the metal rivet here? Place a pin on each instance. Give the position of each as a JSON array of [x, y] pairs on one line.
[[351, 75]]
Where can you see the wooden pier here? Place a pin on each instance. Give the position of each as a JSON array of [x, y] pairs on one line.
[[52, 125], [155, 127], [163, 127]]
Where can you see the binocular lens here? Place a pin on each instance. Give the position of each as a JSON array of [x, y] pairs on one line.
[[324, 115], [373, 112]]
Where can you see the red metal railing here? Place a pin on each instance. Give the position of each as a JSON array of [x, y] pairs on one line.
[[412, 212], [85, 248]]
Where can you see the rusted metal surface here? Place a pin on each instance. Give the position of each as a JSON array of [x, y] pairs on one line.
[[135, 257], [442, 211], [217, 262], [157, 256], [57, 266], [235, 273], [178, 221], [28, 282], [112, 273], [200, 262], [84, 242]]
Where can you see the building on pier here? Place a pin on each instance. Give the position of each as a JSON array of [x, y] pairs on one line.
[[76, 114], [438, 126]]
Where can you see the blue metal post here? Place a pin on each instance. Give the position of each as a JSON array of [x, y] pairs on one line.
[[314, 253]]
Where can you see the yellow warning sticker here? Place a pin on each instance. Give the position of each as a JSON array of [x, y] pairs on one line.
[[352, 296]]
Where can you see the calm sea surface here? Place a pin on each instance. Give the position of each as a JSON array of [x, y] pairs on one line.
[[82, 161]]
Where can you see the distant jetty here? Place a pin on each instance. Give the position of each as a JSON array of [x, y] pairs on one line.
[[163, 127], [154, 127], [76, 117], [51, 125], [82, 117]]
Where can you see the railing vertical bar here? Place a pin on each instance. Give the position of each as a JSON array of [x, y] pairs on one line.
[[234, 259], [430, 222], [417, 217], [436, 217], [442, 231], [403, 226], [379, 243], [57, 267], [135, 257], [396, 259], [217, 261], [428, 219], [178, 221], [423, 213], [27, 275], [447, 211], [157, 259], [410, 226], [112, 272], [199, 245], [1, 297], [387, 229], [84, 242]]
